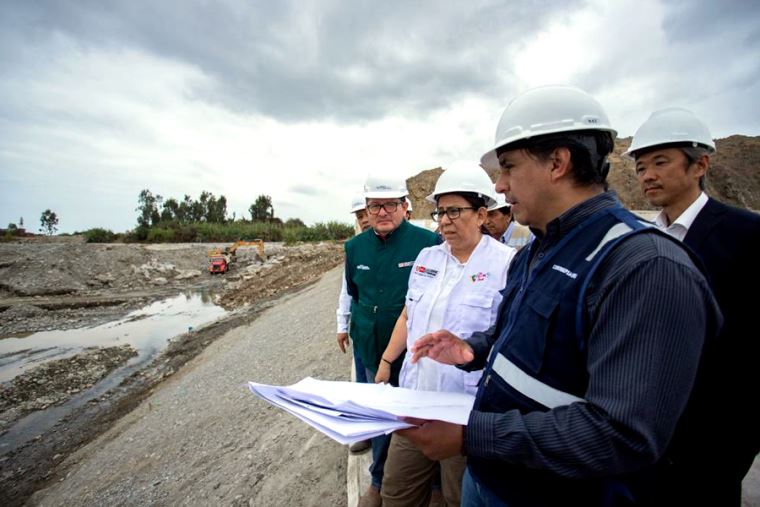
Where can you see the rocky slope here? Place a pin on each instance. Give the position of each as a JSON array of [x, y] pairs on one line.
[[734, 176]]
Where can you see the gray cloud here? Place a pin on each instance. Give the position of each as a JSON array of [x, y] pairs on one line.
[[293, 61], [705, 20], [306, 190]]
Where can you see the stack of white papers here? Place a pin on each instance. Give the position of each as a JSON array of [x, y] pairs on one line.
[[349, 411]]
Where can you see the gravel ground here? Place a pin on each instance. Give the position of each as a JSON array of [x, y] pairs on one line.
[[202, 438]]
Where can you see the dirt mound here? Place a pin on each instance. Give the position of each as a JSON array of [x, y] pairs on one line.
[[68, 267], [301, 265], [420, 186], [734, 177]]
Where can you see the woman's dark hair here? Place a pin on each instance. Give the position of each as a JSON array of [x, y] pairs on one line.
[[588, 152], [472, 199]]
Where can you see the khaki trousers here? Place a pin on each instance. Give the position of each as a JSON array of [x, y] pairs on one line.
[[409, 476]]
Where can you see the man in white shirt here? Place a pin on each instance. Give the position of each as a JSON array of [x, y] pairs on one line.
[[343, 313], [500, 224]]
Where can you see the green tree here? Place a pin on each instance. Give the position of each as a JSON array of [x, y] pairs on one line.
[[184, 211], [261, 210], [170, 210], [48, 222], [148, 207], [216, 209], [294, 222]]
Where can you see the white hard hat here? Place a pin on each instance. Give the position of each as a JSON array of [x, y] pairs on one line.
[[673, 125], [358, 203], [547, 110], [410, 204], [501, 202], [465, 177], [384, 187]]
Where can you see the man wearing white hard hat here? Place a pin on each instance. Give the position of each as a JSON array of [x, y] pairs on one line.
[[454, 285], [715, 450], [359, 209], [500, 224], [409, 208], [598, 339], [378, 263], [343, 313]]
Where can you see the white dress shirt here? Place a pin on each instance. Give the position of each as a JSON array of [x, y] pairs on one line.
[[680, 225], [343, 313]]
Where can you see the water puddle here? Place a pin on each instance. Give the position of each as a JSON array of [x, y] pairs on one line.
[[146, 329]]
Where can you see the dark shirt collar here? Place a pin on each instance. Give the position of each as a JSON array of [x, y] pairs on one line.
[[560, 226]]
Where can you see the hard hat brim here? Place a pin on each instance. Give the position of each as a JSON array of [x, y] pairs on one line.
[[490, 201], [633, 150], [385, 195]]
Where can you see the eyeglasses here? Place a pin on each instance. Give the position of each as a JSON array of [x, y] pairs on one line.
[[452, 213], [389, 207]]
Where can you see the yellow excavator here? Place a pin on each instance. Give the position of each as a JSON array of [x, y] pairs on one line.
[[219, 259]]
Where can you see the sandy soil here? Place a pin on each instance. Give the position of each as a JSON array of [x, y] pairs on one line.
[[202, 439], [49, 285]]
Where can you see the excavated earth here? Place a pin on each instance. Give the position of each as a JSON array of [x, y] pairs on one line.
[[64, 283]]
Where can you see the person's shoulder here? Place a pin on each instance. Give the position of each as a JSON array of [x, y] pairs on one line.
[[498, 245], [650, 243], [734, 214], [430, 251], [421, 232], [649, 254], [358, 239]]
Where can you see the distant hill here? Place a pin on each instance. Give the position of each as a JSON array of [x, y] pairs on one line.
[[734, 177]]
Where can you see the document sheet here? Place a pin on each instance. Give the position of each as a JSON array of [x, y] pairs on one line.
[[349, 411]]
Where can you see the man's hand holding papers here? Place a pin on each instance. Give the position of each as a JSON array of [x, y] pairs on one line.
[[348, 411], [436, 439]]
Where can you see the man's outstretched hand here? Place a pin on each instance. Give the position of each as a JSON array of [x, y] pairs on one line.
[[444, 347]]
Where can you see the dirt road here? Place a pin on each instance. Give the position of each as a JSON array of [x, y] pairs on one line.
[[202, 438]]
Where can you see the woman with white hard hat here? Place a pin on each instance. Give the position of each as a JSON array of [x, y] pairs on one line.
[[454, 285]]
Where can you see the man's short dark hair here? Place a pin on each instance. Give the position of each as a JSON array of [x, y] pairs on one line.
[[693, 154], [588, 152]]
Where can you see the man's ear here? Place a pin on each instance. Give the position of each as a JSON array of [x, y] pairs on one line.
[[701, 165], [482, 216], [561, 165]]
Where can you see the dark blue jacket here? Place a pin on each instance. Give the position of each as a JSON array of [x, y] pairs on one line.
[[552, 426]]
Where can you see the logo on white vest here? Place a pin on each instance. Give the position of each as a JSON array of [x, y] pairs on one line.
[[479, 277], [423, 271]]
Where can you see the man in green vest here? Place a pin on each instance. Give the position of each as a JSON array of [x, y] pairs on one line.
[[378, 263]]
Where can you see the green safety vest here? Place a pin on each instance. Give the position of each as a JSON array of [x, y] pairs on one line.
[[377, 273]]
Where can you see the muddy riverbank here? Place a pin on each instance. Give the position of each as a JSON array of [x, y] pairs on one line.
[[34, 297]]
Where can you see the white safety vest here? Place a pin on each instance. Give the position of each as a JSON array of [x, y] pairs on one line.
[[472, 306]]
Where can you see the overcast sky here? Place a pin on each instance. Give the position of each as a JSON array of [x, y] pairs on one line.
[[300, 100]]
